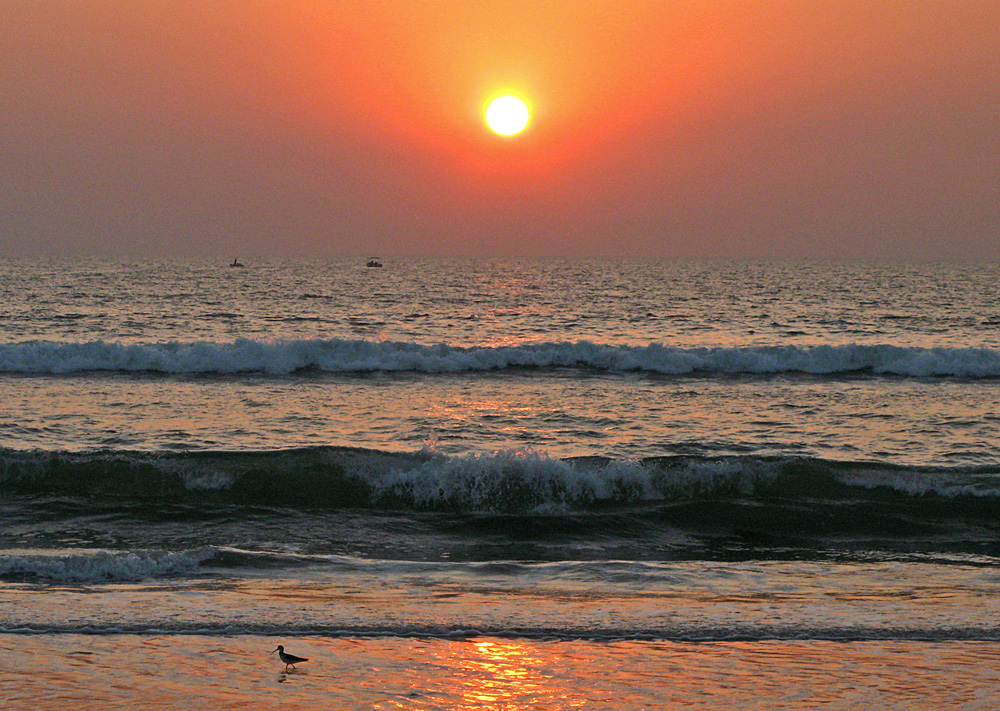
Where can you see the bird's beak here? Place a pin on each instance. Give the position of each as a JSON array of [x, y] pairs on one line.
[[273, 651]]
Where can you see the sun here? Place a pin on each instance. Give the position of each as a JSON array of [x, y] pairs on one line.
[[507, 115]]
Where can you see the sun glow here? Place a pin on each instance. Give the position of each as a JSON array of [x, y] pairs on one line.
[[507, 115]]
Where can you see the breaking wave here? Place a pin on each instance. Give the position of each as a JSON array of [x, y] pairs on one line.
[[362, 356], [99, 566], [699, 504], [511, 481]]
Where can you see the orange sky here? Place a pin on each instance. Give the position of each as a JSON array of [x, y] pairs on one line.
[[748, 128]]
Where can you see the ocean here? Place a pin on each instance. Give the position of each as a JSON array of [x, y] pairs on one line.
[[499, 484]]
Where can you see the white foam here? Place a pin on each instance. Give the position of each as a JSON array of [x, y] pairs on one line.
[[349, 356], [100, 566], [482, 481], [916, 483], [526, 478]]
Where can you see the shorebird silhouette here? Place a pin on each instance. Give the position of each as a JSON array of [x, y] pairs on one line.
[[290, 660]]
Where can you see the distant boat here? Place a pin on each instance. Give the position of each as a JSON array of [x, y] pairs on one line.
[[373, 262], [236, 263]]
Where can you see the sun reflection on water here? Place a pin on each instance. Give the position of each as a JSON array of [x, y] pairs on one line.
[[500, 674]]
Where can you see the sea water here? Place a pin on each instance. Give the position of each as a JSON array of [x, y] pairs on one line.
[[499, 484]]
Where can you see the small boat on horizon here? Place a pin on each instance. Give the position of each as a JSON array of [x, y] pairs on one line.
[[237, 263], [373, 262]]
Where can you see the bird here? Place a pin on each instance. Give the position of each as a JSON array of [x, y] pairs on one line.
[[290, 660]]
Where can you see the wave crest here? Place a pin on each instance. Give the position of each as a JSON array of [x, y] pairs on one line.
[[362, 356], [518, 481], [85, 567]]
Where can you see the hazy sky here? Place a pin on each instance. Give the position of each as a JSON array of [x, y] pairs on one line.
[[745, 128]]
